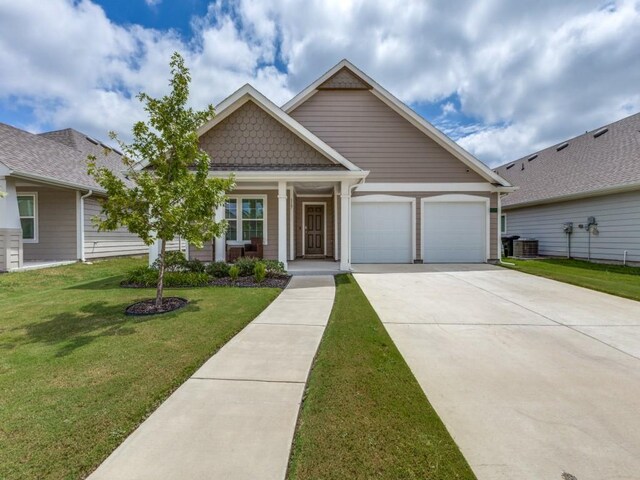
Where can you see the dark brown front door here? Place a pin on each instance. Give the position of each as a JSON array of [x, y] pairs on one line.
[[314, 229]]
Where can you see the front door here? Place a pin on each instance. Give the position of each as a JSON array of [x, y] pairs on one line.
[[314, 229]]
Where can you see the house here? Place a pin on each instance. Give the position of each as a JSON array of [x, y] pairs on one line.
[[46, 214], [581, 197], [345, 171]]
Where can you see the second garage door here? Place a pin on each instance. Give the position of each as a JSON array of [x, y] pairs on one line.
[[382, 232], [454, 232]]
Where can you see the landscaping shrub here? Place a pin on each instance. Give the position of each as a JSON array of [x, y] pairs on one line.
[[174, 261], [246, 265], [274, 268], [259, 272], [142, 276], [234, 272], [218, 269], [194, 266]]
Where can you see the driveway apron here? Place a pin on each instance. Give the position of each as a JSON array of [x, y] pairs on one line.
[[533, 378], [235, 417]]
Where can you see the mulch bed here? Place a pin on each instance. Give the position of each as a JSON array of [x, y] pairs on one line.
[[246, 282], [148, 307]]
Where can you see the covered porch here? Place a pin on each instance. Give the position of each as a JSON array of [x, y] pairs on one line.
[[293, 217]]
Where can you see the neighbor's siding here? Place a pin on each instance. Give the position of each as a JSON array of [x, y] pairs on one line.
[[10, 248], [116, 243], [56, 219], [493, 217], [618, 218], [374, 137]]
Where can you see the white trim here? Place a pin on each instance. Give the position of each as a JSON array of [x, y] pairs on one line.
[[404, 111], [458, 198], [36, 230], [432, 187], [239, 199], [324, 234], [282, 223], [249, 93], [292, 176], [345, 225], [53, 181], [220, 243], [335, 223], [315, 195], [292, 216], [395, 199], [500, 232], [80, 223]]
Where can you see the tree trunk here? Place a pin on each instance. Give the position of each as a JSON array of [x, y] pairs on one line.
[[160, 287]]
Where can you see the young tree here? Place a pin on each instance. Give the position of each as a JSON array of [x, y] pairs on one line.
[[168, 191]]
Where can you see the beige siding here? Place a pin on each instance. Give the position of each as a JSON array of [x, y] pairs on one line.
[[204, 254], [299, 211], [119, 242], [250, 136], [374, 137], [419, 195], [56, 218]]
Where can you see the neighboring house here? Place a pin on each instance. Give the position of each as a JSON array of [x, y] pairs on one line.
[[346, 171], [597, 175], [46, 215]]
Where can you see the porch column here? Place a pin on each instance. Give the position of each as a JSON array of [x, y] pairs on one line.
[[220, 242], [282, 223], [345, 225], [154, 252], [10, 227]]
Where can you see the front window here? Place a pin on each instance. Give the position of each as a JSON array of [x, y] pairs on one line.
[[28, 209], [245, 217], [503, 223]]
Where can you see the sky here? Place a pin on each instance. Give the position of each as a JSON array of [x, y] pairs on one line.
[[503, 78]]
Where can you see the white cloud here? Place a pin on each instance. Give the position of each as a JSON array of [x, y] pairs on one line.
[[527, 76], [153, 3]]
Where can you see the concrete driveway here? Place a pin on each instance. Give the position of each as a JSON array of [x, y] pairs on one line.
[[533, 378]]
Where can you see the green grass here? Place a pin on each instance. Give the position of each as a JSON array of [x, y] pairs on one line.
[[364, 416], [77, 376], [613, 279]]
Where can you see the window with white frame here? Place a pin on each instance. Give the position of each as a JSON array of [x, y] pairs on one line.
[[246, 218], [503, 223], [28, 211]]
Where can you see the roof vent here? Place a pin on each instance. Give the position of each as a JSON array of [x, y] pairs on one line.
[[510, 166], [562, 147], [533, 157], [522, 166], [600, 132], [95, 142]]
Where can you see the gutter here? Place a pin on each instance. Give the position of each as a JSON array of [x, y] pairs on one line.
[[53, 181]]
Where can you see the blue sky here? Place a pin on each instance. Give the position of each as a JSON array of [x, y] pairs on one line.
[[503, 80]]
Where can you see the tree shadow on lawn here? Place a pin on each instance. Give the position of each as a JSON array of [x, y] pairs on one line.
[[73, 330]]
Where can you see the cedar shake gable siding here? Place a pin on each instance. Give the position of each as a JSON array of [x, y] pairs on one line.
[[374, 137], [251, 137], [344, 79]]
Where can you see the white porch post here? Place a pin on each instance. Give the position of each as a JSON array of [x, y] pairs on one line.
[[345, 225], [220, 242], [10, 227], [282, 222]]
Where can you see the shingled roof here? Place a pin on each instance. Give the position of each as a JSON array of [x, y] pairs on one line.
[[598, 161], [60, 156]]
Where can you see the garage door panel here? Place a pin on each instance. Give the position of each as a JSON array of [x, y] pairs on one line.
[[381, 232], [454, 232]]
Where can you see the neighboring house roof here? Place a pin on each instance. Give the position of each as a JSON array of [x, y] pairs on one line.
[[339, 74], [600, 161], [249, 93], [49, 158]]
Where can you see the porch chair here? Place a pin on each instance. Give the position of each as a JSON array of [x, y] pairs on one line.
[[254, 249]]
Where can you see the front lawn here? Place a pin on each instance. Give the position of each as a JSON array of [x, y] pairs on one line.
[[614, 279], [364, 415], [77, 376]]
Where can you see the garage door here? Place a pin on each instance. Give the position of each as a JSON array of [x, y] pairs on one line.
[[381, 232], [454, 232]]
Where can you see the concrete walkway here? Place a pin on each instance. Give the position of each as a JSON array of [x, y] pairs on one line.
[[235, 417], [532, 377]]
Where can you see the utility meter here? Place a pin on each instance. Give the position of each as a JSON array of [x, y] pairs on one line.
[[568, 227]]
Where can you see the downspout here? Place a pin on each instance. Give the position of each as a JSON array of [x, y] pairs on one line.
[[81, 225], [500, 233]]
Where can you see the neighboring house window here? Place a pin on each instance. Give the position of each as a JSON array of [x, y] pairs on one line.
[[246, 217], [28, 210], [503, 223]]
